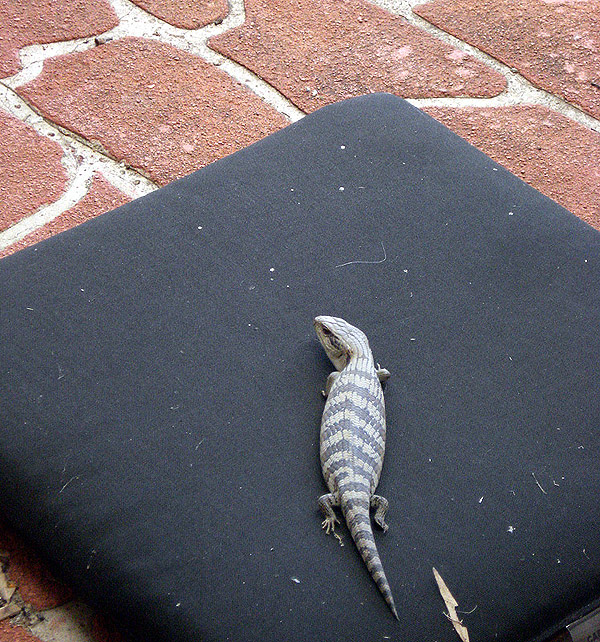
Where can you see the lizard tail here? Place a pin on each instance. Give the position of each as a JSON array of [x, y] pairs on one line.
[[355, 506]]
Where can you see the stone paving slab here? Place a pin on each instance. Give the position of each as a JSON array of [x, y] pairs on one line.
[[101, 198], [187, 14], [31, 173], [557, 156], [164, 112], [553, 43], [25, 23], [317, 52]]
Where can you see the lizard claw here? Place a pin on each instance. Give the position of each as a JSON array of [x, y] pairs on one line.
[[328, 524]]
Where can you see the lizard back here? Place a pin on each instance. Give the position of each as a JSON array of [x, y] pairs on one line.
[[353, 428]]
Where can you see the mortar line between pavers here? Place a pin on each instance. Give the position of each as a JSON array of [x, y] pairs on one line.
[[73, 144], [77, 190], [80, 160], [519, 90], [96, 148], [550, 101]]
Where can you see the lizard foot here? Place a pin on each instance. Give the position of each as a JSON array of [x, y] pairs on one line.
[[326, 504], [328, 526]]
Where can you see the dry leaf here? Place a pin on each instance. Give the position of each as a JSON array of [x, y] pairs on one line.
[[451, 605], [6, 589], [8, 611]]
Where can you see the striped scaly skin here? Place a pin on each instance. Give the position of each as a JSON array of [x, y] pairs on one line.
[[353, 440]]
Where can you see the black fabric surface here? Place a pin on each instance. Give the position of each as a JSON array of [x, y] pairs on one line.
[[160, 391]]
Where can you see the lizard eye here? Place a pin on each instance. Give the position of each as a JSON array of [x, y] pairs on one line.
[[326, 331]]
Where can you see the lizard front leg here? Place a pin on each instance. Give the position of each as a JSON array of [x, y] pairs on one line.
[[383, 374], [329, 383]]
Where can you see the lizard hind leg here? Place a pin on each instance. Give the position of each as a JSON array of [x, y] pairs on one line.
[[326, 504], [380, 505]]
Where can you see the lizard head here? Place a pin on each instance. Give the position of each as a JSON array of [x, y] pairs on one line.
[[340, 340]]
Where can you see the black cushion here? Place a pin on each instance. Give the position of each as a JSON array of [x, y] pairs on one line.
[[160, 391]]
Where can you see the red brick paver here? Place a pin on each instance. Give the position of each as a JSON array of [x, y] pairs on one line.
[[24, 22], [163, 111], [12, 633], [36, 584], [317, 52], [187, 14], [554, 43], [552, 153], [101, 198], [31, 174]]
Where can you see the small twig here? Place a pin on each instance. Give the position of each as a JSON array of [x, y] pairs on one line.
[[366, 262], [538, 484]]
